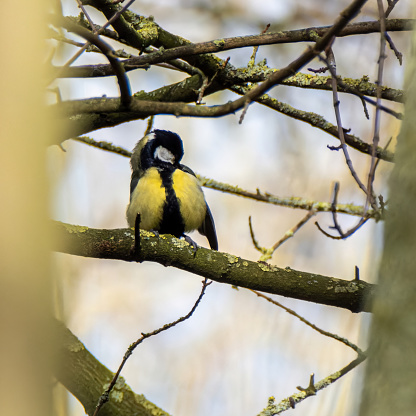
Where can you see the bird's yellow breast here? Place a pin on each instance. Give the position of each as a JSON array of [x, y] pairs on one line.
[[191, 200], [148, 199]]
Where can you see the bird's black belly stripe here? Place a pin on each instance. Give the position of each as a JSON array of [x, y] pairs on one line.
[[172, 222]]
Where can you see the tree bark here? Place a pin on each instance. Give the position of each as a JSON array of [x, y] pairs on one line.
[[390, 383]]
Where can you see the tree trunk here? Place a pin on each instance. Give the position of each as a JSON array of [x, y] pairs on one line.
[[390, 382], [25, 291]]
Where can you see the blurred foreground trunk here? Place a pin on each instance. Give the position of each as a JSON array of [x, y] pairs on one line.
[[26, 342], [390, 382]]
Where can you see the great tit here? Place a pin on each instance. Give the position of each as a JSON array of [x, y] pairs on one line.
[[166, 194]]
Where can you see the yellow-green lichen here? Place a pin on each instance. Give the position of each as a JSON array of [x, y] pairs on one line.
[[147, 234], [76, 346], [180, 243], [220, 43], [265, 267], [231, 259], [117, 396], [349, 288]]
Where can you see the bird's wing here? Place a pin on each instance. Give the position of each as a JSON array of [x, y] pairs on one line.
[[208, 229], [135, 176]]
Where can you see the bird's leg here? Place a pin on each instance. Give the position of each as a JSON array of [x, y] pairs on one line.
[[191, 242]]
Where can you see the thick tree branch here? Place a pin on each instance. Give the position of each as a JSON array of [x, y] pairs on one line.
[[260, 89], [118, 244], [178, 47], [83, 122], [158, 37], [86, 378], [258, 73], [94, 113]]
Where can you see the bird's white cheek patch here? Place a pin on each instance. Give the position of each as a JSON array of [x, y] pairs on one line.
[[191, 199], [164, 155]]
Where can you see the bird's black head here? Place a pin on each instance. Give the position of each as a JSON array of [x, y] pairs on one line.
[[162, 147]]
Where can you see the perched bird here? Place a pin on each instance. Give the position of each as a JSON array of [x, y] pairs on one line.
[[166, 194]]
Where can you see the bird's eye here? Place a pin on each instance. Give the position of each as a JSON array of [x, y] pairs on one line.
[[164, 155]]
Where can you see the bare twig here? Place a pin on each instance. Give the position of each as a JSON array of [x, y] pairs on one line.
[[337, 226], [81, 6], [398, 54], [371, 200], [85, 46], [105, 396], [123, 82], [332, 67], [347, 234], [267, 253], [391, 5], [252, 60], [149, 126], [253, 237], [206, 82], [308, 323]]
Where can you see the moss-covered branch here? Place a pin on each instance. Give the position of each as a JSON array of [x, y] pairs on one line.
[[90, 114], [118, 244], [86, 378], [290, 202]]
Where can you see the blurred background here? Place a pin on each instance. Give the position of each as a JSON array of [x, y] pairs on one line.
[[237, 350]]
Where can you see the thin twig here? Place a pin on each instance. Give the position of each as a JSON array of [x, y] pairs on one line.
[[253, 237], [292, 202], [289, 403], [398, 54], [315, 120], [99, 31], [149, 126], [371, 200], [105, 396], [308, 323], [336, 225], [332, 68], [206, 82], [81, 6], [123, 82], [267, 253], [252, 61], [107, 146], [390, 7], [345, 235], [348, 89]]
